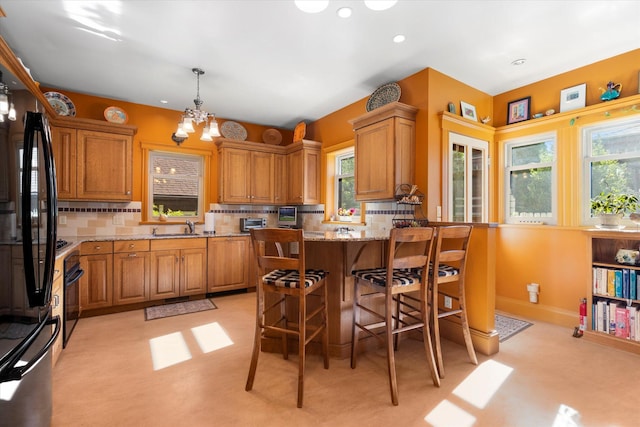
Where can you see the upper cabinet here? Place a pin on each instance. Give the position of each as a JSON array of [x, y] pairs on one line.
[[93, 159], [261, 174], [384, 151]]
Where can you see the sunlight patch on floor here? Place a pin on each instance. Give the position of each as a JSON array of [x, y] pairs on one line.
[[480, 386], [447, 414], [211, 337], [567, 417], [168, 350]]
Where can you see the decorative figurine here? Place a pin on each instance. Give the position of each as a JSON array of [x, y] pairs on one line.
[[612, 92]]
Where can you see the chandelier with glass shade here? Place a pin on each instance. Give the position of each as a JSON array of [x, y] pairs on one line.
[[6, 107], [196, 116]]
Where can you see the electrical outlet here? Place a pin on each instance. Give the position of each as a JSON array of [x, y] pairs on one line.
[[62, 219], [447, 302]]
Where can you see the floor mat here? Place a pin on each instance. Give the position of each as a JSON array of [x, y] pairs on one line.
[[508, 326], [176, 309]]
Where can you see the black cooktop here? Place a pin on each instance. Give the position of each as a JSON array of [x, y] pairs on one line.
[[61, 244]]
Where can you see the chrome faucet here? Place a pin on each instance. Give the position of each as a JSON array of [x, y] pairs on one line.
[[155, 231], [192, 227]]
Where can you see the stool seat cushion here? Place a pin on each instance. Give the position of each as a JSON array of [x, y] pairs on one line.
[[291, 278], [378, 276], [445, 270]]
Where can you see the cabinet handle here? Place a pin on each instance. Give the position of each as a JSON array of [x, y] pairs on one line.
[[132, 255], [56, 300], [183, 259], [132, 245], [97, 248]]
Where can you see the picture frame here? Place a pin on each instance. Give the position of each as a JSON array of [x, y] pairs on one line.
[[452, 108], [468, 111], [518, 110], [573, 97]]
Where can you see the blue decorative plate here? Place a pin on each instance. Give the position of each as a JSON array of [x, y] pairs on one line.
[[60, 103], [383, 96]]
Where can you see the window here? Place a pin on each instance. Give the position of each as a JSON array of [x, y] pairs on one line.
[[530, 180], [611, 160], [345, 192], [175, 185], [468, 181]]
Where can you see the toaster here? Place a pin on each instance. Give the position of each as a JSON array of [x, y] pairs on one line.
[[247, 224]]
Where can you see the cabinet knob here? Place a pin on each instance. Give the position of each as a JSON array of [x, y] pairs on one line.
[[132, 245], [127, 193], [97, 248]]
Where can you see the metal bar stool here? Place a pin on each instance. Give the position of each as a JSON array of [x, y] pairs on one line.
[[450, 257], [406, 269], [283, 275]]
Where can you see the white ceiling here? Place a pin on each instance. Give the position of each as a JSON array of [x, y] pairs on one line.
[[268, 63]]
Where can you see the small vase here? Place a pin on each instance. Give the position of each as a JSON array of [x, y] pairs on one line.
[[345, 218], [610, 221]]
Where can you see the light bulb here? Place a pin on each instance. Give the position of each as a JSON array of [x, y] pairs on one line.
[[187, 125], [180, 133], [312, 6], [205, 134], [4, 103], [379, 4], [214, 131], [12, 113]]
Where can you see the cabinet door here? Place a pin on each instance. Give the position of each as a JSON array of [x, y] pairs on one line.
[[193, 271], [104, 166], [303, 176], [234, 181], [96, 285], [295, 180], [131, 277], [165, 274], [374, 153], [63, 143], [261, 171], [279, 179], [228, 263]]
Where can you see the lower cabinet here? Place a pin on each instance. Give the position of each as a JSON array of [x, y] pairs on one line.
[[131, 271], [178, 268], [228, 263], [96, 285]]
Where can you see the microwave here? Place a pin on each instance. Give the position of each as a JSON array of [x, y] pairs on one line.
[[247, 224]]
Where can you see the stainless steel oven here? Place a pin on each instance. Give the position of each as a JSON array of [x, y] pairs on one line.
[[72, 274]]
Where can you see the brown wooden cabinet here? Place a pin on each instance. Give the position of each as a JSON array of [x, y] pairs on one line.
[[303, 173], [93, 159], [228, 263], [57, 304], [131, 271], [96, 285], [384, 151], [178, 268], [254, 173]]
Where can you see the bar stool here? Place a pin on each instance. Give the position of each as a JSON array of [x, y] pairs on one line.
[[406, 268], [282, 276], [450, 257]]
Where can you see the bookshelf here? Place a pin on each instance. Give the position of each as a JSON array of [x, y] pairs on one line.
[[613, 301]]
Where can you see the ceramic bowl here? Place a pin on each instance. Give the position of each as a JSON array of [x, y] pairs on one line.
[[550, 112]]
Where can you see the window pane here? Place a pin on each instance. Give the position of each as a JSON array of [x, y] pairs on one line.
[[533, 153], [347, 194], [477, 181], [346, 165], [175, 185], [616, 176], [458, 187], [616, 140], [530, 193]]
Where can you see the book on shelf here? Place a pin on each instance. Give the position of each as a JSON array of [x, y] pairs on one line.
[[611, 282], [618, 283], [633, 285], [613, 308], [622, 322], [625, 283], [633, 329]]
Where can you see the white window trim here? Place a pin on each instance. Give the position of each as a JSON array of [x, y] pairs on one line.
[[530, 140], [472, 143]]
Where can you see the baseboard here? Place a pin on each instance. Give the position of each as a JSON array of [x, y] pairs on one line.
[[544, 313], [486, 343]]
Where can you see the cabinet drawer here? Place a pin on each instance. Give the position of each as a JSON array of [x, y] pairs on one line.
[[95, 248], [185, 243], [131, 246]]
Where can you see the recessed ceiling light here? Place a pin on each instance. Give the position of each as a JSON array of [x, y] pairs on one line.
[[344, 12], [312, 6], [519, 61], [380, 4], [399, 38]]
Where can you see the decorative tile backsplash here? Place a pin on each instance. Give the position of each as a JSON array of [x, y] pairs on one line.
[[79, 219]]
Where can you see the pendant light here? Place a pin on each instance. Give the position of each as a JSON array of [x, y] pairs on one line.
[[194, 116]]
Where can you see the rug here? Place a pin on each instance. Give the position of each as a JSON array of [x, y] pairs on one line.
[[508, 326], [176, 309]]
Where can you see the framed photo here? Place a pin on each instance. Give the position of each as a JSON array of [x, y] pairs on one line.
[[573, 97], [468, 111], [518, 111]]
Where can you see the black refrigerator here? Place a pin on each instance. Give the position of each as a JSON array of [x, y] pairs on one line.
[[27, 329]]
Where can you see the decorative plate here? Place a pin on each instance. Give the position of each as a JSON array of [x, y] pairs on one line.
[[383, 95], [299, 132], [115, 115], [272, 136], [233, 130], [60, 103]]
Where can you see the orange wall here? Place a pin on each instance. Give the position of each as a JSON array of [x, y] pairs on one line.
[[156, 125]]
